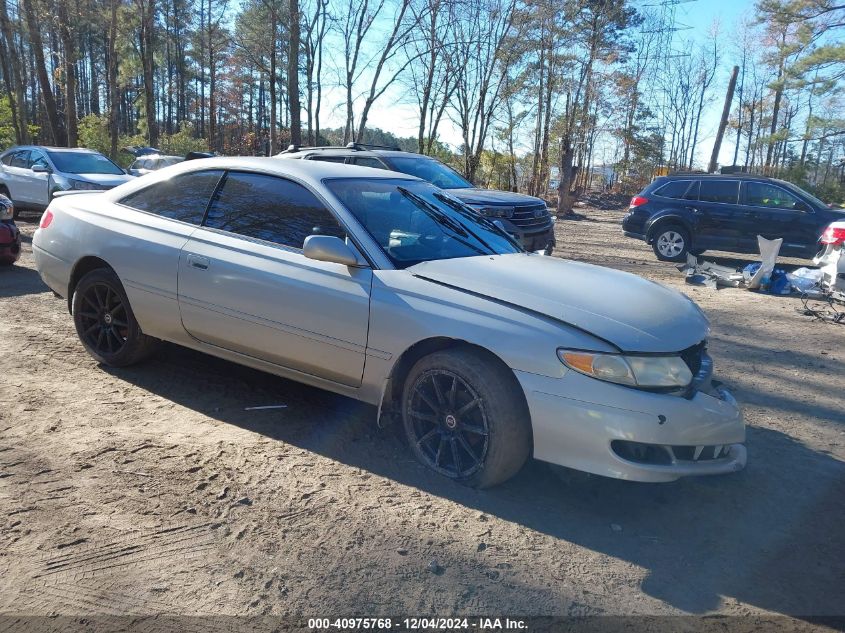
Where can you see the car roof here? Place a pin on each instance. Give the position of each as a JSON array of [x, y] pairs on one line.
[[145, 156], [738, 176], [308, 171], [53, 149], [348, 151]]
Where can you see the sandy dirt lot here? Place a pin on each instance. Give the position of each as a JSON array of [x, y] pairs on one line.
[[151, 490]]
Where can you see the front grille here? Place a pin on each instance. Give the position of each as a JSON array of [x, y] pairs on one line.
[[525, 217]]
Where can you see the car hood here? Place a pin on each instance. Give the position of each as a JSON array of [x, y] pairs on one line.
[[107, 180], [492, 196], [632, 313]]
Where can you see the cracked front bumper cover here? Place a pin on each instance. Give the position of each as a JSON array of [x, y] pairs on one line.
[[579, 422]]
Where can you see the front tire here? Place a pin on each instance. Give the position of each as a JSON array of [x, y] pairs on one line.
[[671, 243], [105, 322], [465, 417]]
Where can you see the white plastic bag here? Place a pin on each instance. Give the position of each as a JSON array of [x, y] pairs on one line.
[[768, 256]]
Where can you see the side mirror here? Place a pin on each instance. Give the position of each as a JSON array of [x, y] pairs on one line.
[[40, 168], [327, 248]]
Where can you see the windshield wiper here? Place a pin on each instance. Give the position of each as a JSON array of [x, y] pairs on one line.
[[444, 220]]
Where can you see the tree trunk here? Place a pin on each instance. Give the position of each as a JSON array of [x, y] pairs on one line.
[[567, 155], [293, 74], [726, 110], [14, 80], [69, 44], [114, 96], [274, 138]]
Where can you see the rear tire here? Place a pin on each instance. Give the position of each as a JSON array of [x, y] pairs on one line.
[[105, 322], [465, 417], [671, 243]]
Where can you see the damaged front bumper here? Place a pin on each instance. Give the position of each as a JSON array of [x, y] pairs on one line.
[[626, 433]]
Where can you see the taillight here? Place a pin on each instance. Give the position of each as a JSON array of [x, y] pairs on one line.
[[637, 201], [833, 235], [46, 219]]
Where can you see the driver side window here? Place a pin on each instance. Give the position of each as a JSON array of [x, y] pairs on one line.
[[37, 158], [760, 194], [271, 209]]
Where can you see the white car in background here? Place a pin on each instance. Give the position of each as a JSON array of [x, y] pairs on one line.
[[30, 175], [382, 287]]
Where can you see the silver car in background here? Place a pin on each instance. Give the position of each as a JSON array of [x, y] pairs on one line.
[[381, 287], [30, 175], [149, 163]]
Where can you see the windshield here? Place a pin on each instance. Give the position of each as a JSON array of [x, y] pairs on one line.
[[415, 222], [83, 163], [430, 170]]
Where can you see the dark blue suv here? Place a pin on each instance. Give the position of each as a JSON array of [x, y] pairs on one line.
[[695, 212]]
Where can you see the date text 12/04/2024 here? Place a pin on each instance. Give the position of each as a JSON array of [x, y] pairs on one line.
[[416, 624]]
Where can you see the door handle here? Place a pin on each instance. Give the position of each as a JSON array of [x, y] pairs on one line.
[[198, 261]]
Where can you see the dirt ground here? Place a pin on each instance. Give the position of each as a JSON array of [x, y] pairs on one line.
[[151, 490]]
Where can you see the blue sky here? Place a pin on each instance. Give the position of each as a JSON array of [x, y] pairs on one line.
[[395, 111]]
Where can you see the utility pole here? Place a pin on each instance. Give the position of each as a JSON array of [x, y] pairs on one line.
[[714, 157]]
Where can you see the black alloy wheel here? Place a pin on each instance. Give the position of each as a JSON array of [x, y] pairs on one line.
[[448, 424], [103, 319], [105, 322]]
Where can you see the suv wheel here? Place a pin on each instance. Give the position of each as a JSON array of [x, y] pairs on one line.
[[671, 243], [465, 417]]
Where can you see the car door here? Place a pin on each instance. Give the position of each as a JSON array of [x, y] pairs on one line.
[[778, 213], [18, 175], [38, 183], [722, 223], [245, 286]]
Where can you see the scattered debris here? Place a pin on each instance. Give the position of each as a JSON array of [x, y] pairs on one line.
[[769, 250], [704, 273], [812, 283], [826, 309], [807, 281]]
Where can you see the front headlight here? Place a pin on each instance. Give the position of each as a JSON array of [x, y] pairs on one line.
[[635, 371], [492, 212], [81, 185]]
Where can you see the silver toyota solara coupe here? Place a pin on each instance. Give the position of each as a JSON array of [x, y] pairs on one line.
[[379, 286]]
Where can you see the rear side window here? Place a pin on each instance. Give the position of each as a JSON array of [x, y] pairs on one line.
[[184, 197], [7, 159], [725, 191], [675, 189], [270, 209]]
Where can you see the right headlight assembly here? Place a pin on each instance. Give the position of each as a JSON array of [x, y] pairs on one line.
[[650, 372]]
